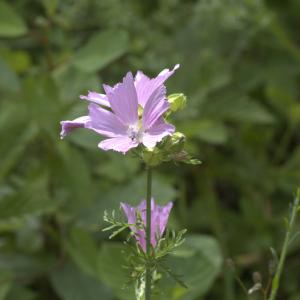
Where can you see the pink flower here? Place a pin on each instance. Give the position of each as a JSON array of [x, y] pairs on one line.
[[159, 220], [115, 114]]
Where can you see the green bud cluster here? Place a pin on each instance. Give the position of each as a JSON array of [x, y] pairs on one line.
[[170, 149]]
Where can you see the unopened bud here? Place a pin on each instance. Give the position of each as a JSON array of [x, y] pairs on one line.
[[177, 102], [177, 142], [173, 144]]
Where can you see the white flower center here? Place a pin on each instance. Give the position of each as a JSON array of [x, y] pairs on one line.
[[135, 133]]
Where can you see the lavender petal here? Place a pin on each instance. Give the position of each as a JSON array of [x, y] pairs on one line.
[[105, 122], [157, 132], [146, 86], [68, 126], [96, 98], [120, 144], [154, 108], [123, 101]]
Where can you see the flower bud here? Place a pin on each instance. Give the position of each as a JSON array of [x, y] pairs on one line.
[[174, 143], [177, 102]]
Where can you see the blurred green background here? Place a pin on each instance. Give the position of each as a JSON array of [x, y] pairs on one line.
[[240, 69]]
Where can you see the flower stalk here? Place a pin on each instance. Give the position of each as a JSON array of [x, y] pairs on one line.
[[148, 278], [290, 226]]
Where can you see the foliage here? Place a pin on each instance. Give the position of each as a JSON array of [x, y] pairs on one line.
[[240, 72]]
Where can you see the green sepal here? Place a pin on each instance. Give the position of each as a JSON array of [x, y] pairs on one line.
[[173, 144], [153, 157], [186, 158]]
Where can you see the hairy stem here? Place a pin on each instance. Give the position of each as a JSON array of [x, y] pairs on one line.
[[276, 279], [148, 234]]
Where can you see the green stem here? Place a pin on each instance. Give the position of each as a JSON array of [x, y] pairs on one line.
[[276, 279], [148, 234]]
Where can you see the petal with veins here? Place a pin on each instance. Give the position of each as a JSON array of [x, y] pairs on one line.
[[123, 100], [155, 107], [119, 144], [68, 126], [105, 122], [159, 220], [156, 133], [145, 86], [96, 98]]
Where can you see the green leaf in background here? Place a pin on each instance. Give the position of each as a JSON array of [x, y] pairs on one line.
[[29, 237], [110, 262], [5, 283], [210, 131], [102, 49], [50, 6], [19, 61], [73, 82], [85, 139], [26, 266], [199, 261], [76, 176], [11, 24], [132, 192], [235, 107], [18, 292], [71, 284], [117, 168], [40, 97], [289, 172], [9, 80], [247, 110], [105, 265], [281, 91], [284, 39], [30, 199], [13, 149], [83, 251]]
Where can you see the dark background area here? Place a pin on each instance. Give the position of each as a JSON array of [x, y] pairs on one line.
[[240, 71]]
